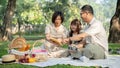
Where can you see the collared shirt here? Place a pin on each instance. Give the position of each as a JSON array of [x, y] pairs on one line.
[[61, 32], [97, 34]]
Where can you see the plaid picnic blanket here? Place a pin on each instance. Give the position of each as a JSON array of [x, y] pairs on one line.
[[112, 62]]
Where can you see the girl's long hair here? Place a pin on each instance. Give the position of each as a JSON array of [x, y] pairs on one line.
[[78, 24]]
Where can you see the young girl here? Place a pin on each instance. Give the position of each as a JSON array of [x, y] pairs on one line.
[[74, 46], [55, 30], [75, 28]]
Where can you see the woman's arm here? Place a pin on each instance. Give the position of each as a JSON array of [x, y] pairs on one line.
[[47, 36]]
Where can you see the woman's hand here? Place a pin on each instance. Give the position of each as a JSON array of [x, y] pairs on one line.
[[60, 40], [65, 40], [56, 41]]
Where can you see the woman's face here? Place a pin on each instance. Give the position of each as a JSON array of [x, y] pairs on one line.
[[58, 21], [73, 27]]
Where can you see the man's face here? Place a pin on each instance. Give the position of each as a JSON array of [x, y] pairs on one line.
[[83, 15]]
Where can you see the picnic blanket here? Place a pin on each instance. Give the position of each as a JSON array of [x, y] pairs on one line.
[[113, 61]]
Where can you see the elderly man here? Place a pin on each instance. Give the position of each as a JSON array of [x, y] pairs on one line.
[[96, 46]]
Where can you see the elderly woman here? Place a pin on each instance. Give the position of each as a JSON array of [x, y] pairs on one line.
[[55, 30]]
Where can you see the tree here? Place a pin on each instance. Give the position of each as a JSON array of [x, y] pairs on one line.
[[6, 34], [3, 4], [114, 31], [70, 8]]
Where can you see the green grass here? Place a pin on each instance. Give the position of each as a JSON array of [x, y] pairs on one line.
[[31, 37], [29, 66], [69, 66], [4, 48], [13, 65], [114, 46]]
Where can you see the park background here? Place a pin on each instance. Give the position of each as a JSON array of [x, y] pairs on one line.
[[28, 18]]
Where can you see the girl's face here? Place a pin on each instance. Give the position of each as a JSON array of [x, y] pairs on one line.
[[58, 21], [73, 27]]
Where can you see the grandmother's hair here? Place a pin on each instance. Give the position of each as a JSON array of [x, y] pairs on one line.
[[57, 13]]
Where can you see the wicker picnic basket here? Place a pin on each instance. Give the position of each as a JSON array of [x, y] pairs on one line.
[[41, 54], [20, 43], [18, 47]]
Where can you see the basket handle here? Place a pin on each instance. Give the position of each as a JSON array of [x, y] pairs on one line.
[[34, 45], [17, 41]]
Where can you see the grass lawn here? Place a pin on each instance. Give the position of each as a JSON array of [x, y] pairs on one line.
[[29, 66], [4, 48]]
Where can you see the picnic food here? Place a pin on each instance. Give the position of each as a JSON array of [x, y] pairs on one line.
[[28, 58], [19, 47], [25, 48], [39, 54], [23, 53], [31, 60], [55, 41], [20, 44]]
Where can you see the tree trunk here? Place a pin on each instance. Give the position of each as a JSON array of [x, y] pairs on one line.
[[114, 31], [6, 34]]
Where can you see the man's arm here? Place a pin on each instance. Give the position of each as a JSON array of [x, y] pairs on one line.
[[78, 37], [75, 38]]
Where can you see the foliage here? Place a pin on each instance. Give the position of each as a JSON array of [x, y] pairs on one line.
[[3, 5], [39, 12], [29, 12]]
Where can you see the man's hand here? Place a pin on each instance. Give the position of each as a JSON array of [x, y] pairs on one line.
[[79, 46]]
